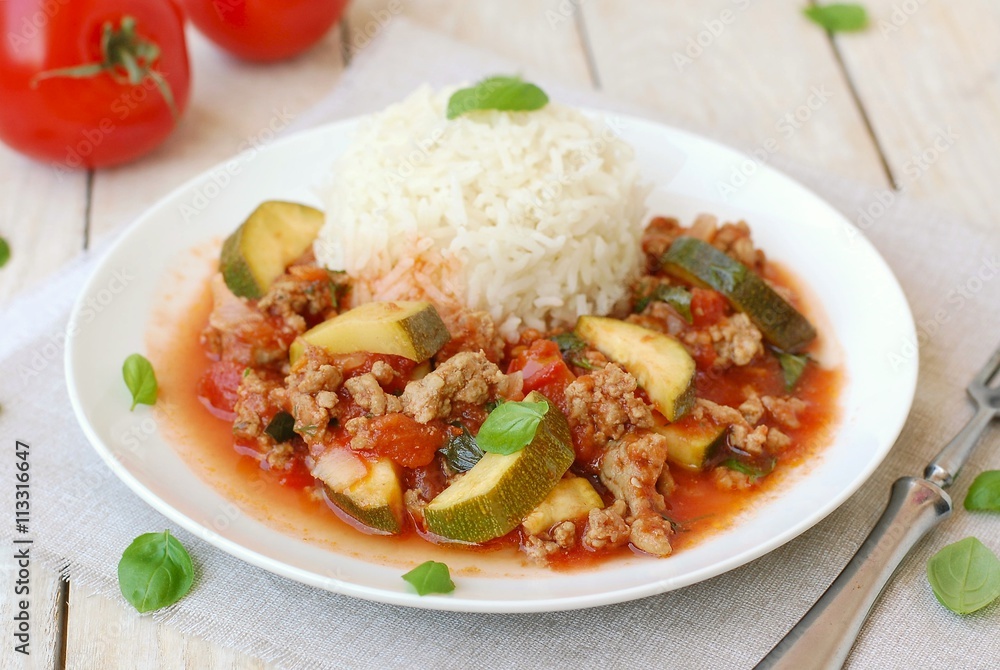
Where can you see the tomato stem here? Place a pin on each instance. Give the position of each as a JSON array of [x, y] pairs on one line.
[[127, 57]]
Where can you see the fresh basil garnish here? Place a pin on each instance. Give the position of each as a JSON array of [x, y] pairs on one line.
[[462, 451], [281, 427], [430, 577], [838, 17], [571, 346], [511, 427], [754, 469], [4, 252], [792, 367], [965, 576], [140, 380], [984, 494], [727, 278], [677, 297], [508, 94], [155, 571]]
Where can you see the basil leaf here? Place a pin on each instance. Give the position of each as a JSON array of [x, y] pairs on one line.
[[965, 576], [508, 94], [281, 427], [511, 426], [792, 367], [984, 494], [838, 17], [461, 452], [430, 577], [155, 571], [754, 470], [726, 278], [4, 252], [677, 297], [571, 347], [140, 380]]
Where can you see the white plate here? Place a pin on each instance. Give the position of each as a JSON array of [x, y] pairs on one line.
[[862, 302]]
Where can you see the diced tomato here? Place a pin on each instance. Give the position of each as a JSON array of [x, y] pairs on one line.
[[707, 306], [544, 370], [400, 438], [297, 476], [217, 388]]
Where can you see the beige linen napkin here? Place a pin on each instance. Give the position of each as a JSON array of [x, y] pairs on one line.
[[84, 517]]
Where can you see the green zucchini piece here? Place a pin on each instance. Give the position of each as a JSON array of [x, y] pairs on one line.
[[492, 498], [571, 499], [370, 493], [702, 264], [413, 330], [660, 364], [257, 252], [693, 445]]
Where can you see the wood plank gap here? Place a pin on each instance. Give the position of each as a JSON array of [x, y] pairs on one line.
[[869, 128], [62, 625], [588, 53], [88, 201], [345, 40]]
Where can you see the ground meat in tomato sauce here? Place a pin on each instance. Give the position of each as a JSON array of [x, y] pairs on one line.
[[388, 407]]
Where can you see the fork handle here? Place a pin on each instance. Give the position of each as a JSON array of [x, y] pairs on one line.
[[945, 466], [825, 635]]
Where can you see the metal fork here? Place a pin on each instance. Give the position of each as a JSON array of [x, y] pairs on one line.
[[825, 635]]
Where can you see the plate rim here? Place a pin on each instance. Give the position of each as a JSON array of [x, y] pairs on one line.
[[450, 602]]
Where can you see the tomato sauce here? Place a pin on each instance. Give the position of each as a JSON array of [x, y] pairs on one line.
[[198, 394]]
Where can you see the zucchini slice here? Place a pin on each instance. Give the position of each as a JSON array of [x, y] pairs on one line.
[[693, 444], [702, 264], [413, 330], [492, 498], [571, 499], [660, 364], [257, 252], [370, 493]]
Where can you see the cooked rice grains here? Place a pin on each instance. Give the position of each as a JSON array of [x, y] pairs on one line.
[[535, 217]]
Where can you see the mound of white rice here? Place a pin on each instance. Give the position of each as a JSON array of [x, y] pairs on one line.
[[534, 217]]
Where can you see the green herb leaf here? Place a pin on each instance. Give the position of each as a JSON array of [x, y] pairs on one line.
[[462, 451], [965, 576], [155, 571], [140, 380], [430, 577], [511, 426], [281, 427], [677, 297], [4, 252], [839, 17], [756, 470], [571, 347], [508, 94], [792, 367], [984, 494]]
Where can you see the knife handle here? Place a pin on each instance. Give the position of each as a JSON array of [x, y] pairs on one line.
[[825, 635]]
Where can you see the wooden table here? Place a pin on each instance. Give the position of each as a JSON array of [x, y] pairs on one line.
[[912, 104]]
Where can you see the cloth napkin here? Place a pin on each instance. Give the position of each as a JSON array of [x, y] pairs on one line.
[[83, 516]]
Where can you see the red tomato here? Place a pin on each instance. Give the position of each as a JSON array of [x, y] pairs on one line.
[[707, 307], [97, 114], [217, 388], [544, 370], [405, 441], [264, 30], [297, 476]]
